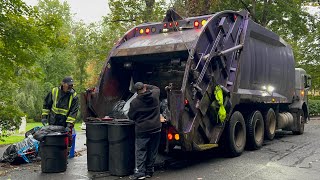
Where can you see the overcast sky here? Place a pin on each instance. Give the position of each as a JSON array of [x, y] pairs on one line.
[[93, 10], [87, 10]]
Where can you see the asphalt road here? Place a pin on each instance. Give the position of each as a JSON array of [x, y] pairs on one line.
[[286, 157]]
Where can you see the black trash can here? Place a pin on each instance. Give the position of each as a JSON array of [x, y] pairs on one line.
[[54, 152], [97, 146], [121, 137]]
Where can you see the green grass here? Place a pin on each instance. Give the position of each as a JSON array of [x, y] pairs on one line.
[[16, 137], [11, 139]]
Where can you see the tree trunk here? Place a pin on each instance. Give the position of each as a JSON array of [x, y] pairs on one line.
[[149, 9], [206, 7], [253, 8], [264, 19], [193, 6]]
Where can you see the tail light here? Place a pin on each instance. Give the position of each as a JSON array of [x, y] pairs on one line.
[[172, 134], [147, 30], [196, 24], [186, 102]]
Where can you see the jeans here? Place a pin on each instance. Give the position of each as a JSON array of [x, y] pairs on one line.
[[146, 153]]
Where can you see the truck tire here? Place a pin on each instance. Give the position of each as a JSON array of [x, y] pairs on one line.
[[236, 134], [255, 129], [300, 120], [270, 124]]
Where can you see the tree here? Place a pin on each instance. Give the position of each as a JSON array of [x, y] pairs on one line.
[[20, 43]]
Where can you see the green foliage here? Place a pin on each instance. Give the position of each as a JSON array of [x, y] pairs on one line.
[[30, 99], [10, 115], [314, 107], [125, 14]]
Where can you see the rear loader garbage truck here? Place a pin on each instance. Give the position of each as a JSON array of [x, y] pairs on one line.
[[224, 80]]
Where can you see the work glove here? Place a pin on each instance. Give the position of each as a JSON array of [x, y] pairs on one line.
[[69, 127], [44, 121]]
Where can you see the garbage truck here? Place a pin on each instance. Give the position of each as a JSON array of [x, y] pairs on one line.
[[227, 81]]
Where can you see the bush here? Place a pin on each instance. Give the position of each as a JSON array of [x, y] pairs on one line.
[[314, 107], [10, 118], [30, 120], [314, 97]]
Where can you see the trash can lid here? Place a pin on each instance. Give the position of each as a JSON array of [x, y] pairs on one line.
[[120, 122]]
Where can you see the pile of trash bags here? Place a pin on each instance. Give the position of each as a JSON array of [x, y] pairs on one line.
[[24, 151], [27, 150]]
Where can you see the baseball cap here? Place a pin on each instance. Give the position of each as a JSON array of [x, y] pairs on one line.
[[138, 86], [68, 80]]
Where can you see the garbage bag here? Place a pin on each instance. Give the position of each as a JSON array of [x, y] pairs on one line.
[[126, 107], [32, 131], [24, 151], [51, 129], [164, 109], [117, 111]]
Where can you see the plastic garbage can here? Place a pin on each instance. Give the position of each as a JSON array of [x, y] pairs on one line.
[[54, 152], [121, 137], [97, 146], [73, 146]]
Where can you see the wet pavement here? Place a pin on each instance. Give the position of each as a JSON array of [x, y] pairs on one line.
[[286, 157]]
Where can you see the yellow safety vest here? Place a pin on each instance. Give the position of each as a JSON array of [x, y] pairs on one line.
[[55, 92]]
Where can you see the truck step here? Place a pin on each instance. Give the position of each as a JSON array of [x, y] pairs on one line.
[[203, 147]]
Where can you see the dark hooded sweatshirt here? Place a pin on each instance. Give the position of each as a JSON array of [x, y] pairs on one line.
[[145, 111]]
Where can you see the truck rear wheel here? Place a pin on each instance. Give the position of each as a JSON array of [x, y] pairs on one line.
[[236, 134], [270, 124], [300, 120], [255, 129]]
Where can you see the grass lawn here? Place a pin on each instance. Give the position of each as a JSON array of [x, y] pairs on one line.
[[16, 137], [11, 139]]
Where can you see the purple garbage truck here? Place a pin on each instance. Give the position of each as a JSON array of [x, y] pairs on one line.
[[225, 80]]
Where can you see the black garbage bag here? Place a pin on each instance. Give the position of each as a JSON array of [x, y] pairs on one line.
[[32, 131], [39, 135], [164, 109], [117, 111], [22, 152]]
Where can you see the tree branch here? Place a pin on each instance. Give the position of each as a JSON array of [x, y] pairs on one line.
[[251, 13]]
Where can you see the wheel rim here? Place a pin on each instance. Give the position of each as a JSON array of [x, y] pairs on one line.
[[258, 131], [239, 134]]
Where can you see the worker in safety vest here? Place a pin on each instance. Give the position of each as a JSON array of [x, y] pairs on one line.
[[61, 106]]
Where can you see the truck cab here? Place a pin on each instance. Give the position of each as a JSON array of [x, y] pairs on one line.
[[303, 83]]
